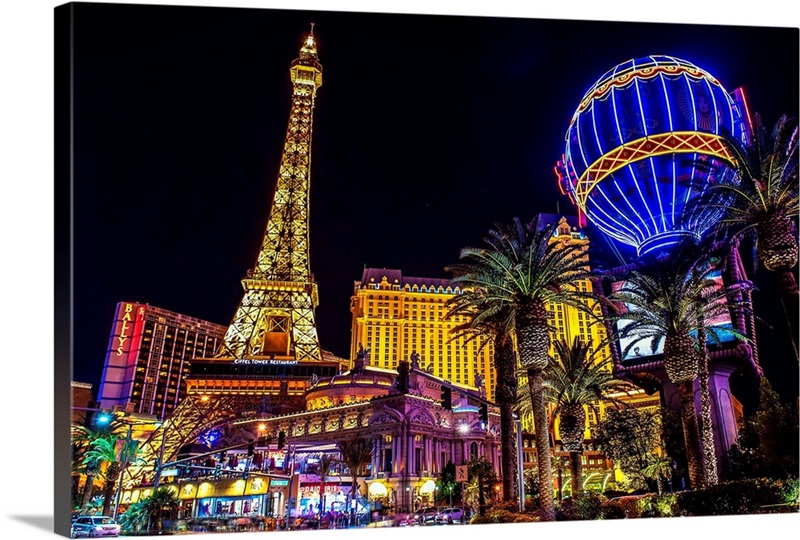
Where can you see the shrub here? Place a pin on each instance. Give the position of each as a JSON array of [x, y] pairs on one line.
[[587, 505], [612, 510], [509, 506], [739, 497], [505, 512], [658, 505], [622, 508], [613, 493]]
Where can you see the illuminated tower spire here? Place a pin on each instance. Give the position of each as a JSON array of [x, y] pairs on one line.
[[276, 315]]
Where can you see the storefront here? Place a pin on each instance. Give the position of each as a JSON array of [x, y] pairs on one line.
[[335, 499], [258, 496]]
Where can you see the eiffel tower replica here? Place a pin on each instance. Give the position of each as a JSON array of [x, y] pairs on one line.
[[271, 349], [276, 314]]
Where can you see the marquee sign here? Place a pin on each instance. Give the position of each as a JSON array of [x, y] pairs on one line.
[[265, 361]]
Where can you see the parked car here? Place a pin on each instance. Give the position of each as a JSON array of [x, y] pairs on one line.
[[94, 526], [448, 515], [452, 515], [418, 517], [429, 515]]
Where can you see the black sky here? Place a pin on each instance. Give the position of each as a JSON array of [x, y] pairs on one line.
[[427, 130]]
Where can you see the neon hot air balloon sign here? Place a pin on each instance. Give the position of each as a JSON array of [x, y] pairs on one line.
[[632, 148]]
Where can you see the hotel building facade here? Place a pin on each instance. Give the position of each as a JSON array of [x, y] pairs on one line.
[[395, 316], [149, 353]]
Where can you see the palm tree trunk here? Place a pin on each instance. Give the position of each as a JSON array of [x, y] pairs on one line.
[[88, 491], [575, 470], [571, 430], [791, 306], [535, 382], [108, 496], [560, 486], [506, 395], [508, 451], [709, 451], [691, 435]]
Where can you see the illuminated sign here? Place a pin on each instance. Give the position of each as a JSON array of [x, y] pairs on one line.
[[125, 330], [268, 362], [275, 483], [123, 335]]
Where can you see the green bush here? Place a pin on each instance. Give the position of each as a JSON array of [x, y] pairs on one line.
[[653, 505], [789, 492], [739, 497], [505, 512], [587, 505], [612, 510], [624, 508]]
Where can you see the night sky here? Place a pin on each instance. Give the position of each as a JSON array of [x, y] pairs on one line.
[[427, 130]]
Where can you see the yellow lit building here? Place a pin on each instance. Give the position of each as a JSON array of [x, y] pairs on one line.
[[396, 315]]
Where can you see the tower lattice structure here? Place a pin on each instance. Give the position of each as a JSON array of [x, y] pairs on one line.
[[276, 314]]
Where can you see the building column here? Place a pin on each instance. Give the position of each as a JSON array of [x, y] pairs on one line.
[[395, 454], [411, 451], [427, 455], [377, 456]]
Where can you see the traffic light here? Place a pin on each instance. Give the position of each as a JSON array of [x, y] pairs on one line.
[[281, 439], [251, 449], [447, 398], [217, 470], [483, 413]]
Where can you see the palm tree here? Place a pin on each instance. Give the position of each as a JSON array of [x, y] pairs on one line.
[[761, 201], [357, 454], [103, 451], [326, 462], [481, 470], [88, 462], [706, 426], [659, 468], [482, 322], [83, 436], [135, 516], [521, 271], [574, 380], [160, 505], [669, 300]]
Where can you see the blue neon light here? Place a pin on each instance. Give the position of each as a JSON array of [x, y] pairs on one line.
[[648, 97]]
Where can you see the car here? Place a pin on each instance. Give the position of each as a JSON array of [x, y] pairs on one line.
[[417, 517], [451, 515], [442, 515], [94, 526], [447, 515], [429, 515]]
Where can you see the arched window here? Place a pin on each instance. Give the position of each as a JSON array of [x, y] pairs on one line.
[[473, 450]]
